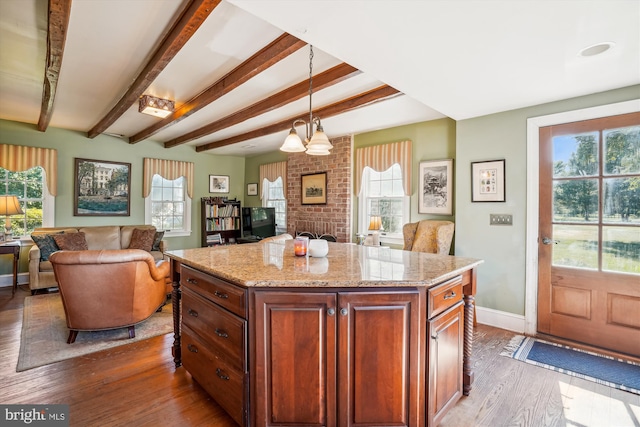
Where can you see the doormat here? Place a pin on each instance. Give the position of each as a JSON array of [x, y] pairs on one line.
[[610, 371]]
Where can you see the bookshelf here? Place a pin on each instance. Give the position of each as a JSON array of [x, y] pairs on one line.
[[221, 221]]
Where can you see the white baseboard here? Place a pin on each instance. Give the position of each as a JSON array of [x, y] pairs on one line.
[[7, 279], [500, 319]]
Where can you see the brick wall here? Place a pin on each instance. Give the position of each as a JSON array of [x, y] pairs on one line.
[[334, 217]]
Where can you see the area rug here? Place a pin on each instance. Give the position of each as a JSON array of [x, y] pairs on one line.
[[44, 333], [617, 373]]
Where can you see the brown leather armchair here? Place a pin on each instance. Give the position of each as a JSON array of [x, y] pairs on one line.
[[429, 236], [109, 289]]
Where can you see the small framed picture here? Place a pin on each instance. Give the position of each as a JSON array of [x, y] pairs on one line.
[[218, 183], [314, 189], [487, 181], [252, 189], [436, 187]]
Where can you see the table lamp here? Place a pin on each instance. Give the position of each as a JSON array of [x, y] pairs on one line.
[[9, 205], [375, 225]]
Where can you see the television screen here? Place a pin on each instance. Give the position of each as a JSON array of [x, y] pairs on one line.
[[259, 221]]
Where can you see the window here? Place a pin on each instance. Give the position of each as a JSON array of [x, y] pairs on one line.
[[274, 198], [168, 207], [36, 202], [383, 194]]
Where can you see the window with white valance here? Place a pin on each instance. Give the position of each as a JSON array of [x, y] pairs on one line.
[[273, 188], [167, 188]]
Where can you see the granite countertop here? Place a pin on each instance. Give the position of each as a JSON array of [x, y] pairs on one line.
[[346, 265]]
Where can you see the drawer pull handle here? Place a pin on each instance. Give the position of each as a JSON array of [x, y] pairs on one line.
[[192, 348], [221, 375], [451, 295], [221, 295], [222, 333], [193, 313], [193, 281]]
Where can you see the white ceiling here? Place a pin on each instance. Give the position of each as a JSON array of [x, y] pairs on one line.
[[460, 59]]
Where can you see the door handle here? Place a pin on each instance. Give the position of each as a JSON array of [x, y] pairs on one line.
[[548, 241]]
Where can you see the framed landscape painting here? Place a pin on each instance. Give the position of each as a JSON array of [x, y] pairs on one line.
[[436, 187], [314, 189], [218, 183], [101, 188]]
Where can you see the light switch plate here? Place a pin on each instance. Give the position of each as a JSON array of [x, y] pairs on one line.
[[500, 219]]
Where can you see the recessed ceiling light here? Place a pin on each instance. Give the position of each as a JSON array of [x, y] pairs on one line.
[[596, 49]]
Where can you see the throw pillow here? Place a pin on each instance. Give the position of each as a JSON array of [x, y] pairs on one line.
[[156, 240], [142, 239], [71, 241], [46, 244]]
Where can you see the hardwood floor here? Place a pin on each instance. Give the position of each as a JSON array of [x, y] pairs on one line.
[[137, 384]]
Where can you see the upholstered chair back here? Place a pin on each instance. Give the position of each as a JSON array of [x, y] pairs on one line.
[[431, 236]]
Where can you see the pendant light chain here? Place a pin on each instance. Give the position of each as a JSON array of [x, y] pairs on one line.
[[310, 133]]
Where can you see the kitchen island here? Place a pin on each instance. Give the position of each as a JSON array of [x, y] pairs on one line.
[[365, 336]]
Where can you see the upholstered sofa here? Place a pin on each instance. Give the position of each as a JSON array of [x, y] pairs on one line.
[[108, 237], [109, 289], [431, 236]]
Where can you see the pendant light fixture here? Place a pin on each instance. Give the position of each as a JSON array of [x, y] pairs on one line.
[[317, 142]]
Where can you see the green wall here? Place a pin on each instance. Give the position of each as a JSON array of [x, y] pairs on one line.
[[72, 144], [252, 173], [433, 140], [501, 279]]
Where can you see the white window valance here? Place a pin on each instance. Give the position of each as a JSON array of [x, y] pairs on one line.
[[168, 169], [271, 172], [382, 157], [18, 158]]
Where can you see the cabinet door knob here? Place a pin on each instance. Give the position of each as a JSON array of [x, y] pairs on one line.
[[221, 375], [331, 311], [221, 333], [192, 312], [221, 295], [344, 311], [192, 348]]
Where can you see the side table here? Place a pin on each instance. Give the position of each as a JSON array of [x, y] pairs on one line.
[[12, 249]]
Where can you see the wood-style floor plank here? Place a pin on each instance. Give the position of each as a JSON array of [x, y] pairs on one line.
[[137, 384]]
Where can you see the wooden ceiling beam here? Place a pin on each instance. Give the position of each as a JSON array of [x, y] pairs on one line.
[[191, 18], [58, 24], [271, 54], [366, 98], [330, 77]]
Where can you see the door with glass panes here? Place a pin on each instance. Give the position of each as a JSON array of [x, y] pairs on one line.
[[589, 224]]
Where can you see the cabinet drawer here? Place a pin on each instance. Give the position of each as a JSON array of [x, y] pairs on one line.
[[219, 328], [222, 381], [229, 296], [443, 296]]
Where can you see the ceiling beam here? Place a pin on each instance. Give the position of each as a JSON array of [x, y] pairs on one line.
[[330, 77], [193, 15], [58, 24], [378, 94], [271, 54]]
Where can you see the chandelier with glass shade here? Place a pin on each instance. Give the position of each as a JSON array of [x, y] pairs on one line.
[[317, 142]]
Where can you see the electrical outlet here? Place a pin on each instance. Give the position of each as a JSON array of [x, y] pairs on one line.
[[500, 219]]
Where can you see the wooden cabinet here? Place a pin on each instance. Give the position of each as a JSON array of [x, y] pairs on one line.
[[214, 338], [221, 221], [445, 348], [338, 358]]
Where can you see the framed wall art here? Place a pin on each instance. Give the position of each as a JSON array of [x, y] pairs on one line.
[[314, 189], [487, 181], [436, 187], [252, 189], [218, 183], [101, 188]]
